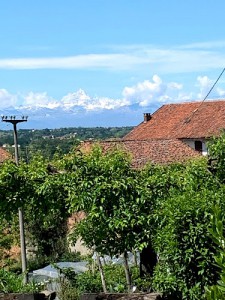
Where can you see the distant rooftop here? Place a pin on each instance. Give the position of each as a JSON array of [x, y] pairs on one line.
[[159, 151], [4, 155], [183, 120]]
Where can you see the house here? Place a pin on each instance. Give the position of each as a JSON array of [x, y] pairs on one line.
[[157, 151], [173, 133], [192, 123]]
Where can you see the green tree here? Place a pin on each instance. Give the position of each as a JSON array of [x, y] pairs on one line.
[[216, 148], [43, 198], [104, 187], [182, 216], [217, 292]]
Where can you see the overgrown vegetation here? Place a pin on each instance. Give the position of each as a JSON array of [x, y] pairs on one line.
[[43, 196], [165, 207], [90, 281], [217, 233], [168, 212], [13, 283]]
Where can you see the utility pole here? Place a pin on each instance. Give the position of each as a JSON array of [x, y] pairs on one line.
[[13, 120]]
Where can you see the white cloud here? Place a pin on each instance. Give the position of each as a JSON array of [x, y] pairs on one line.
[[183, 97], [69, 102], [103, 61], [205, 84], [197, 57], [146, 93], [7, 99], [39, 100], [175, 85], [204, 45], [221, 92]]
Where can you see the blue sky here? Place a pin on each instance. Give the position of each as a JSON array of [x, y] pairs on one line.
[[104, 63]]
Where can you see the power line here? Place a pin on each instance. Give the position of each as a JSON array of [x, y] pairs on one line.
[[213, 85], [192, 114]]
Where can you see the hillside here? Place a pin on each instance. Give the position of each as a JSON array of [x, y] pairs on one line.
[[49, 141]]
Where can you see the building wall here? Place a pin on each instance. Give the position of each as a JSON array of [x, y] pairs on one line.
[[191, 143]]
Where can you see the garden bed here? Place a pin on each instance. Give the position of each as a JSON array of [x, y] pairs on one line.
[[121, 296], [28, 296]]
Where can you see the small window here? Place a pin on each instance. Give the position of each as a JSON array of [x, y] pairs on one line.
[[198, 146]]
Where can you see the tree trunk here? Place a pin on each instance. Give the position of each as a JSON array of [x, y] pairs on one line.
[[101, 273], [135, 258], [103, 261], [127, 272]]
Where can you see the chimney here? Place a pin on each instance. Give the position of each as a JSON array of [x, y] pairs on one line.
[[147, 117]]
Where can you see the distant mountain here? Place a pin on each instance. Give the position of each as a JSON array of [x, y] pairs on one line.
[[75, 116]]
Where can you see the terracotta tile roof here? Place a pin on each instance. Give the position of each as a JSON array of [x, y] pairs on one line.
[[160, 151], [184, 120], [4, 155]]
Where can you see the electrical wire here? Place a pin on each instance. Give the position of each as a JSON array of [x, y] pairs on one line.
[[213, 85], [192, 114]]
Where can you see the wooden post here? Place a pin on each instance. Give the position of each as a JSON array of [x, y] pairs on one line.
[[13, 120], [101, 273], [127, 272]]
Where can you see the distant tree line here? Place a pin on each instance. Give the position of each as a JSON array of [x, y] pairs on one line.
[[51, 141]]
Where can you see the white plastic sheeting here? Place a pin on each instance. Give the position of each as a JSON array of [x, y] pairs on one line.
[[49, 275], [52, 272], [118, 260]]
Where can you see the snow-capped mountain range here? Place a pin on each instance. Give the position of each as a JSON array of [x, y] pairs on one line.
[[80, 109], [73, 110]]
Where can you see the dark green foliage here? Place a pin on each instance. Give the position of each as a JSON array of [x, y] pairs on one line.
[[181, 217], [46, 210], [166, 208], [102, 186], [217, 157], [70, 256], [217, 292]]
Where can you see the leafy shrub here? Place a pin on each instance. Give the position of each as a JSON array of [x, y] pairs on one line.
[[70, 256], [181, 238], [13, 283], [67, 291], [38, 262], [217, 292], [141, 284], [90, 281]]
